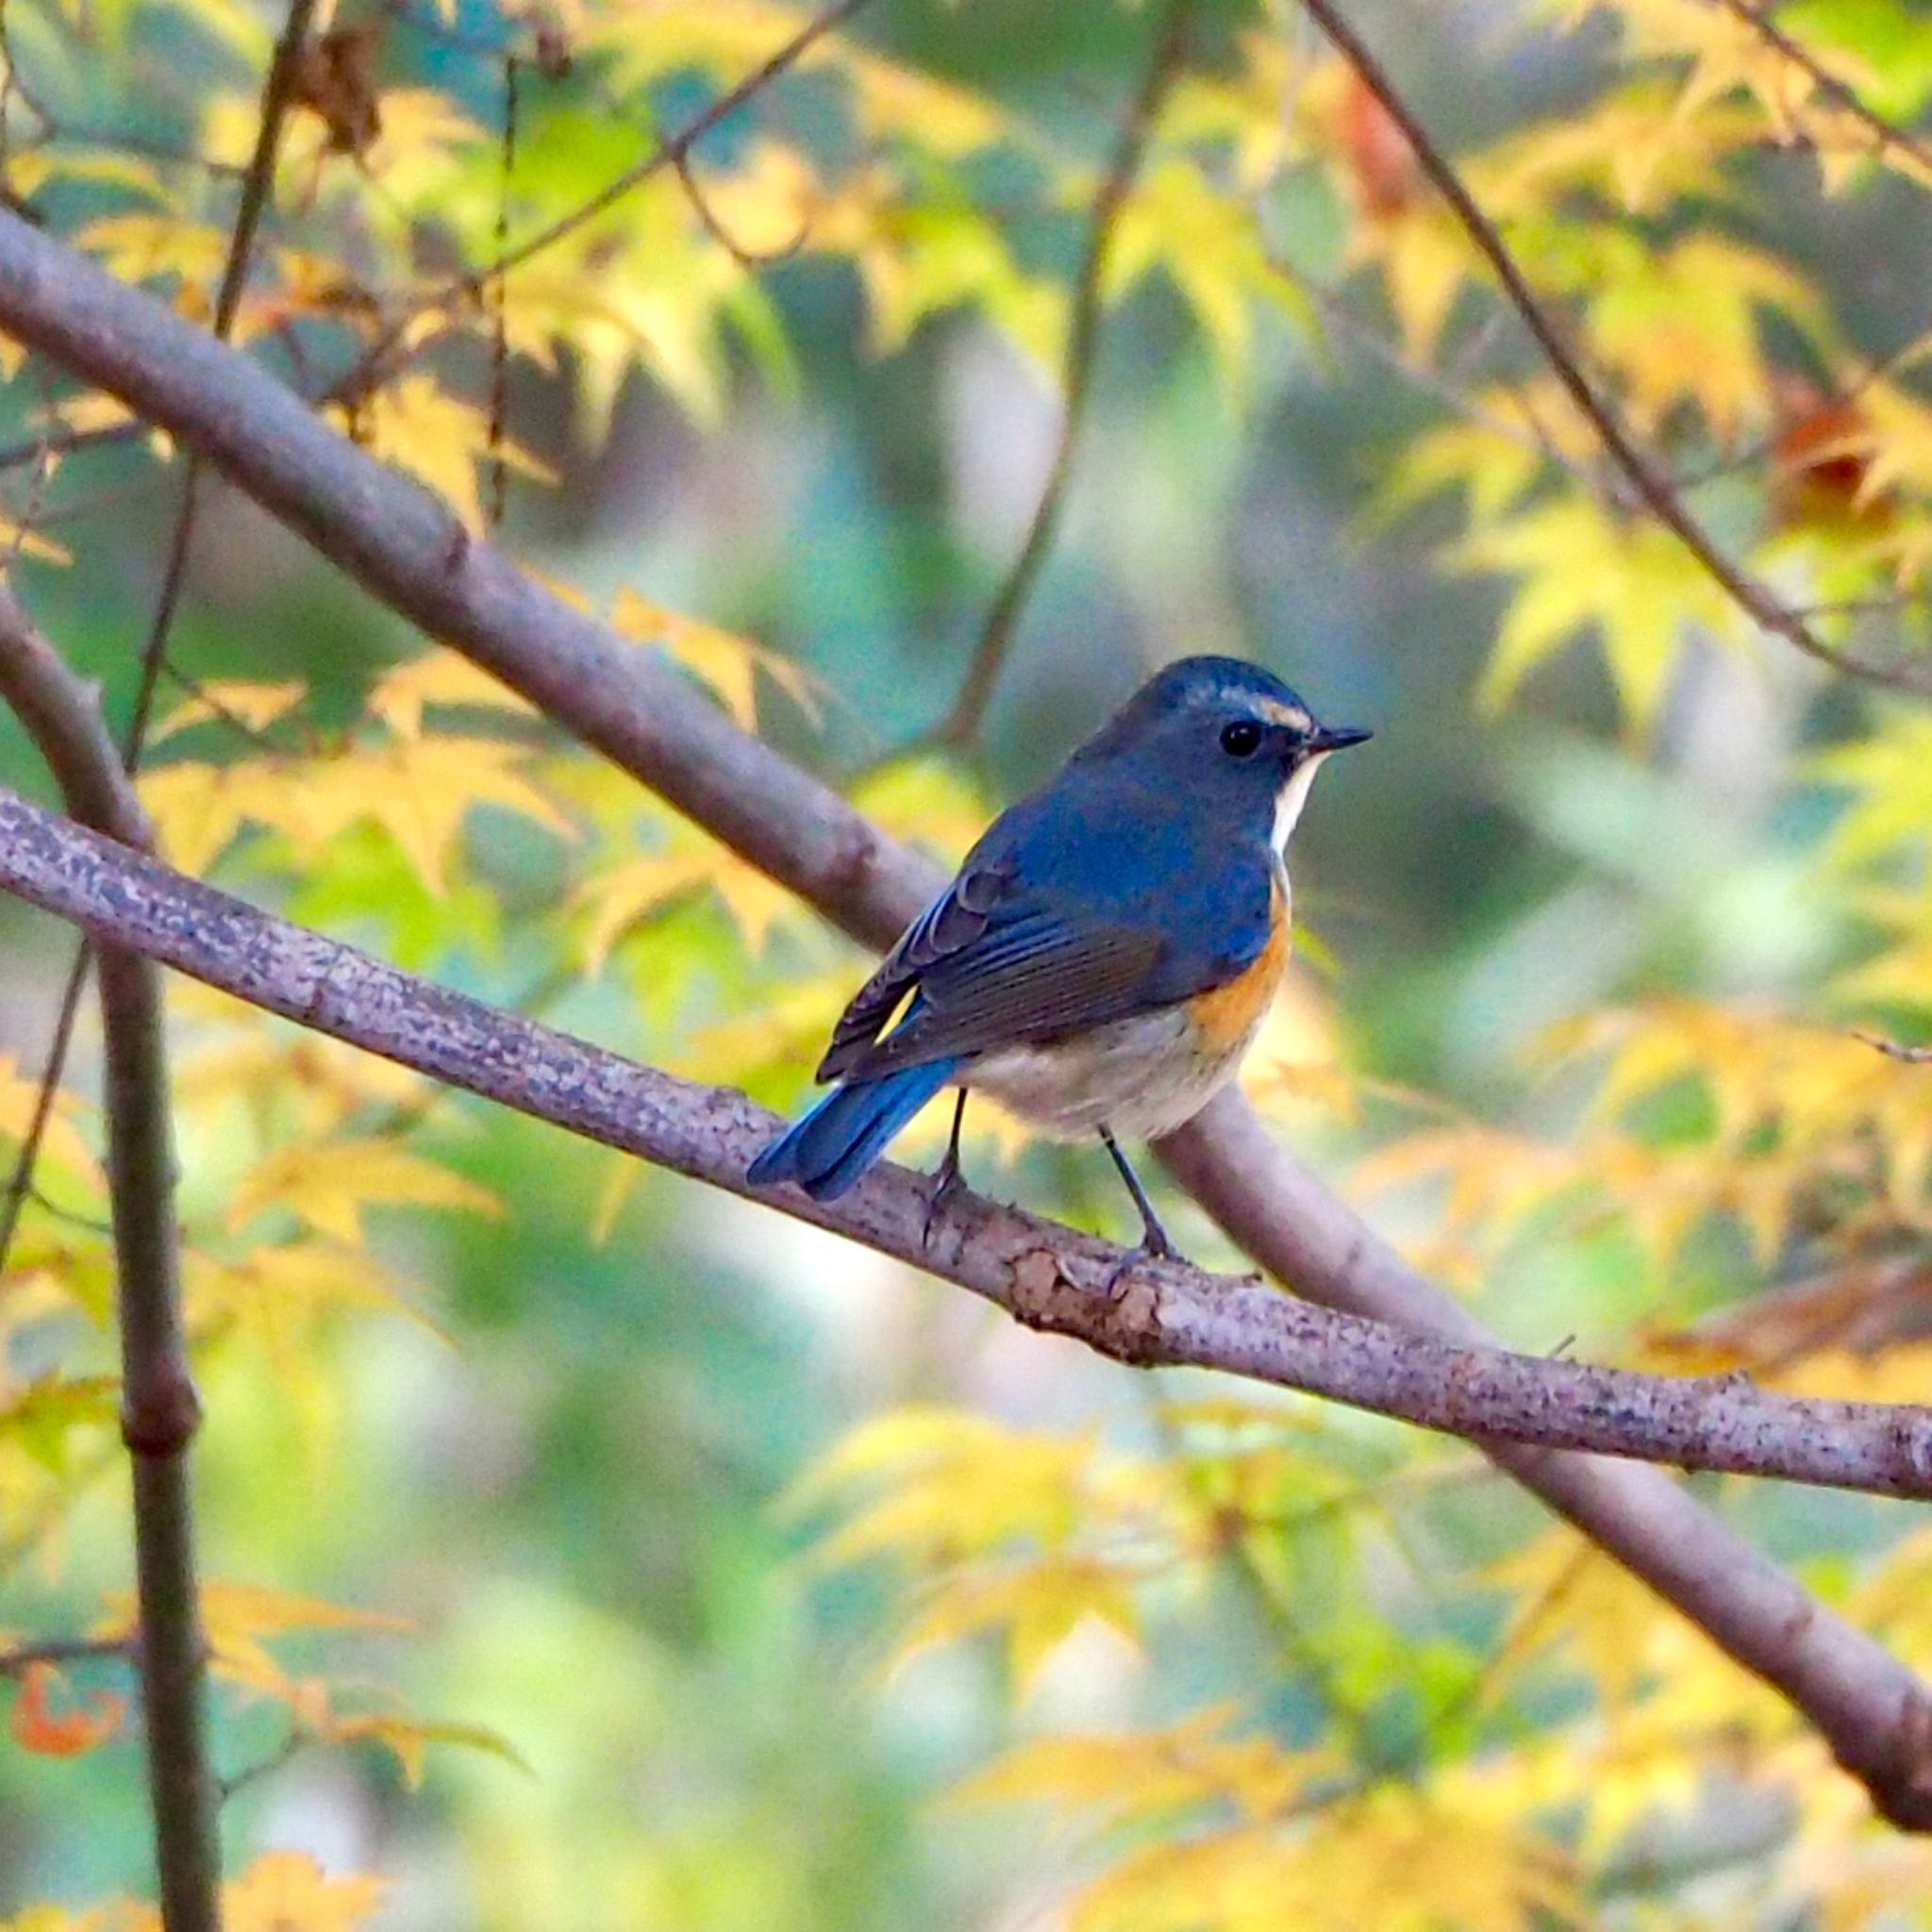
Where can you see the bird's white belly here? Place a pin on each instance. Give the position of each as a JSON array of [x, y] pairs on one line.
[[1140, 1077]]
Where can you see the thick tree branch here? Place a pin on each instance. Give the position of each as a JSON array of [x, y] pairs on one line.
[[1654, 488], [1049, 1276], [159, 1408], [411, 552], [1076, 381]]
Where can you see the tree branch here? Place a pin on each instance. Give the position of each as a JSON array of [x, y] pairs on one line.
[[1053, 1278], [1654, 488], [411, 552], [19, 1659], [1170, 36], [1047, 1275], [158, 1406]]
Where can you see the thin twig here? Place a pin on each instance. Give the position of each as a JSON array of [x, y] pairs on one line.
[[21, 1658], [160, 1406], [1896, 1049], [279, 1758], [750, 259], [62, 442], [20, 1181], [1885, 134], [1164, 64], [1527, 433], [499, 321], [276, 98], [1652, 486], [30, 511]]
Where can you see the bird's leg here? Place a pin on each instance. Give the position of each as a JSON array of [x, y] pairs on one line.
[[1155, 1242], [945, 1177]]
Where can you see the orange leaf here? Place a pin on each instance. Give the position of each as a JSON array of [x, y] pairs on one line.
[[38, 1726]]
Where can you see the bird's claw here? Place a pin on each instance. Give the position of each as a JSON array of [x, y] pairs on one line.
[[1154, 1246], [946, 1182]]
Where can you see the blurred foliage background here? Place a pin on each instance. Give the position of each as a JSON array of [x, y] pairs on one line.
[[1586, 925]]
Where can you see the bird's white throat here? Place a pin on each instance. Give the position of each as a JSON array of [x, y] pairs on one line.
[[1292, 797]]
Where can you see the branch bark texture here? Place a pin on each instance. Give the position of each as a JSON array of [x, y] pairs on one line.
[[1047, 1276], [411, 552], [158, 1408]]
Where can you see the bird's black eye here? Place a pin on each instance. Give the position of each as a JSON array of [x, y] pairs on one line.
[[1241, 739]]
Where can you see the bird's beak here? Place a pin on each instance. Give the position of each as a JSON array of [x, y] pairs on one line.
[[1327, 738]]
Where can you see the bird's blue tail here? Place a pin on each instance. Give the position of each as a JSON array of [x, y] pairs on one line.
[[828, 1151]]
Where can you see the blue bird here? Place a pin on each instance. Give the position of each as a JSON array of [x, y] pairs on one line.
[[1108, 949]]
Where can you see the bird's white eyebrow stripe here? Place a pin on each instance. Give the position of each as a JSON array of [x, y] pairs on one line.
[[1275, 712]]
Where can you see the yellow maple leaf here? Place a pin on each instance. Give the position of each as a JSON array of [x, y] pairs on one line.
[[1034, 1609], [1152, 1773], [280, 1286], [627, 893], [400, 696], [241, 1620], [1569, 1597], [722, 661], [1680, 322], [282, 1891], [1579, 569], [267, 1068], [144, 246], [930, 801], [32, 169], [198, 809], [257, 706], [1210, 246], [419, 789], [330, 1187], [408, 1739], [287, 1891], [730, 38], [440, 438]]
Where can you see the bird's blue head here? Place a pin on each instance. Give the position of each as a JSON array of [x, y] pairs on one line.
[[1225, 733]]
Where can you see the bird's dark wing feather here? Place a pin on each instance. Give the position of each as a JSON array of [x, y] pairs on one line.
[[1029, 979], [956, 918]]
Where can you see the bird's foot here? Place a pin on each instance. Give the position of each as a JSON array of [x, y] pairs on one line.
[[1153, 1245], [946, 1182]]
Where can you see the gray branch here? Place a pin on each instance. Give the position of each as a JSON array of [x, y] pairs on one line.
[[410, 551]]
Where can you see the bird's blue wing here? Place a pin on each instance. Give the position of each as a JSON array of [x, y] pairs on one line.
[[953, 921], [1062, 919]]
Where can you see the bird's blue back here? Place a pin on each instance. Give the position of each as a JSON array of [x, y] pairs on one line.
[[1093, 846]]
